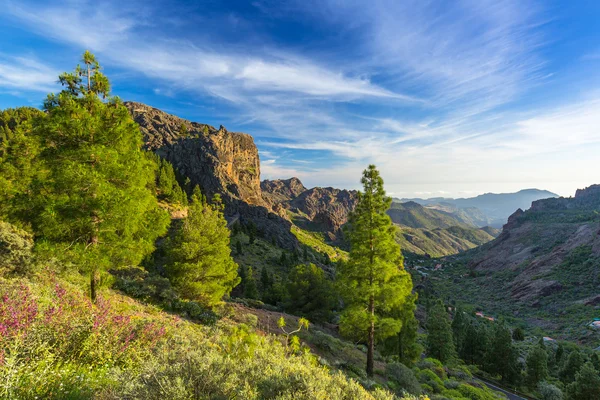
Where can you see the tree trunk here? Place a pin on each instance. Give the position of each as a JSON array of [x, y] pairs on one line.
[[93, 284], [371, 344]]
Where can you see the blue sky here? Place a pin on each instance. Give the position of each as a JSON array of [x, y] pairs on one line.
[[447, 98]]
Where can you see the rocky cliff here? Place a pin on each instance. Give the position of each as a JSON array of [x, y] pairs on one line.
[[321, 209], [219, 161]]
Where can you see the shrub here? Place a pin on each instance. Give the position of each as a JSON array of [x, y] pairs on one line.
[[403, 377], [549, 391], [64, 345], [15, 249]]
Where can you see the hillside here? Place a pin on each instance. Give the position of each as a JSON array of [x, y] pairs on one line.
[[487, 209], [543, 267], [433, 232], [323, 212]]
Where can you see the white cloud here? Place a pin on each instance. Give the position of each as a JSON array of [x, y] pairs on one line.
[[26, 73]]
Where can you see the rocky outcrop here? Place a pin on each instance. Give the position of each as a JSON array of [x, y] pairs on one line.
[[327, 207], [281, 191], [219, 161], [322, 209]]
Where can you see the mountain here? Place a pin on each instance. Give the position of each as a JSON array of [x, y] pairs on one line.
[[227, 163], [487, 209], [318, 209], [325, 210], [428, 231], [219, 162], [544, 266]]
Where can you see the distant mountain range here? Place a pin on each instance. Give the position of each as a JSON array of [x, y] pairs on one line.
[[489, 209], [544, 267]]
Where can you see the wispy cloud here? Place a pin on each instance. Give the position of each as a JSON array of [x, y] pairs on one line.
[[26, 73]]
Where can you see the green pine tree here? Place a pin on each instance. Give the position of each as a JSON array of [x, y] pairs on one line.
[[571, 367], [309, 293], [586, 385], [92, 201], [440, 343], [502, 358], [250, 288], [200, 263], [408, 348], [459, 328], [536, 366], [518, 334], [373, 281]]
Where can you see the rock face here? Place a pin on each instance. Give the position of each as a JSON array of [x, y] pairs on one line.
[[219, 161], [535, 243], [322, 209]]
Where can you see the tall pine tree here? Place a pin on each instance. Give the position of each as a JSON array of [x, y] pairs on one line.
[[373, 281], [92, 198]]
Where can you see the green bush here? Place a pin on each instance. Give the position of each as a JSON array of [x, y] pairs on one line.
[[15, 249], [403, 377]]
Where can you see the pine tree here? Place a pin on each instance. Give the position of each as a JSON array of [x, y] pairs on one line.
[[283, 259], [475, 344], [459, 328], [586, 385], [92, 201], [309, 293], [373, 281], [518, 334], [200, 263], [502, 358], [238, 248], [266, 280], [408, 348], [571, 367], [536, 366], [250, 289], [440, 343]]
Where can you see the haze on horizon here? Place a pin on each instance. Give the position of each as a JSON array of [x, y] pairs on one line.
[[448, 99]]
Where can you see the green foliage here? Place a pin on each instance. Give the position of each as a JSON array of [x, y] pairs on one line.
[[440, 343], [18, 152], [586, 385], [309, 293], [373, 281], [518, 334], [571, 367], [536, 366], [90, 203], [15, 249], [167, 184], [249, 284], [549, 392], [199, 261], [502, 357], [404, 379]]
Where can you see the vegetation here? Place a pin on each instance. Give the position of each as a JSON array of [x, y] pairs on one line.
[[373, 281], [200, 265]]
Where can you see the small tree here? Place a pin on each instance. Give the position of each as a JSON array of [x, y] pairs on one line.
[[249, 282], [440, 343], [291, 340], [200, 263], [518, 334]]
